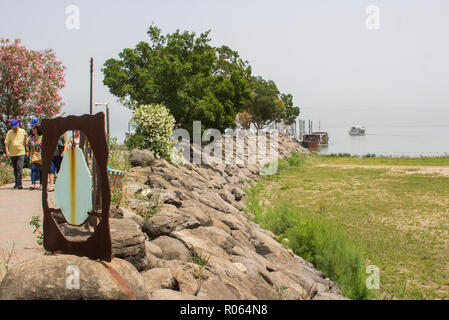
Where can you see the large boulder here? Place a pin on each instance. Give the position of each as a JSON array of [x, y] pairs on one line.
[[135, 217], [172, 249], [188, 277], [167, 294], [215, 289], [128, 242], [238, 193], [171, 219], [56, 278], [153, 250], [214, 201], [115, 211], [159, 278], [207, 241], [141, 158], [156, 181], [167, 222]]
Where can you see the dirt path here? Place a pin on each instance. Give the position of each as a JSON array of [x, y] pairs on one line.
[[443, 170]]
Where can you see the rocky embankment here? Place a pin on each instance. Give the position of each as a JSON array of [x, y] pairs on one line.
[[187, 234]]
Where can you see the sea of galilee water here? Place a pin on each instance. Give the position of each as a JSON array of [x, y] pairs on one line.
[[390, 131], [406, 141]]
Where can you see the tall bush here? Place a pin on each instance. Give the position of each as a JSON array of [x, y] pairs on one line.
[[154, 125], [314, 238], [30, 83]]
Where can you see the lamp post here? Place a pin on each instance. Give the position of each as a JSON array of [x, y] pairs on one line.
[[107, 115]]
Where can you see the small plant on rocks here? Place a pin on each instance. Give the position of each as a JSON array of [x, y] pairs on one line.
[[146, 208], [280, 292], [36, 223], [6, 257], [201, 261]]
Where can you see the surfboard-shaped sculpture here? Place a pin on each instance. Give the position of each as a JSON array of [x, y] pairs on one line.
[[75, 179], [73, 188]]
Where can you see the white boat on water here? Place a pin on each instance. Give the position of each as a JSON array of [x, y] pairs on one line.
[[357, 131]]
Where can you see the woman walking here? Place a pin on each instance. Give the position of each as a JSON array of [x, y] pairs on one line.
[[35, 143]]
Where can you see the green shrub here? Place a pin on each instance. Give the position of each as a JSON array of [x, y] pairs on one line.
[[36, 224], [369, 155], [338, 155], [313, 237], [137, 140], [154, 126], [253, 199], [6, 174], [294, 161]]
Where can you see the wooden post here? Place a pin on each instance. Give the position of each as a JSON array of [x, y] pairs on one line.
[[107, 122], [91, 83], [96, 195]]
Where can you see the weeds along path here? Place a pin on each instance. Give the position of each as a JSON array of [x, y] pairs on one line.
[[396, 216], [16, 210]]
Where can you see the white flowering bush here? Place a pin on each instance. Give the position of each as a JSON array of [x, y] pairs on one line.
[[154, 126], [176, 157]]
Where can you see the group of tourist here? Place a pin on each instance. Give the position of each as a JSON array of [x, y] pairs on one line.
[[19, 145]]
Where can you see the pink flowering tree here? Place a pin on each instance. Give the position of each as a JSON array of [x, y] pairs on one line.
[[30, 82]]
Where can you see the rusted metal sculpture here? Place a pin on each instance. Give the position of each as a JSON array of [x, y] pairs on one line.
[[98, 245]]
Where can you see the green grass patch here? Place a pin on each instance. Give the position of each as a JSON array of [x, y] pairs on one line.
[[313, 237], [397, 221], [372, 159]]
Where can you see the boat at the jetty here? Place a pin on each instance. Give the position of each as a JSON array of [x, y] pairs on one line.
[[324, 138], [311, 141], [357, 131]]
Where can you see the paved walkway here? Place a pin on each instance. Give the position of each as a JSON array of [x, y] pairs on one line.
[[16, 209]]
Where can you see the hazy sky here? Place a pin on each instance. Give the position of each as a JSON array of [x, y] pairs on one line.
[[321, 51]]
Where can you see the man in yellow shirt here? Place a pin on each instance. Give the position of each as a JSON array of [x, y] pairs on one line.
[[16, 148]]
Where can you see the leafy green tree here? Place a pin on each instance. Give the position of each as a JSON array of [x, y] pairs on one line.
[[266, 106], [290, 112], [182, 71]]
